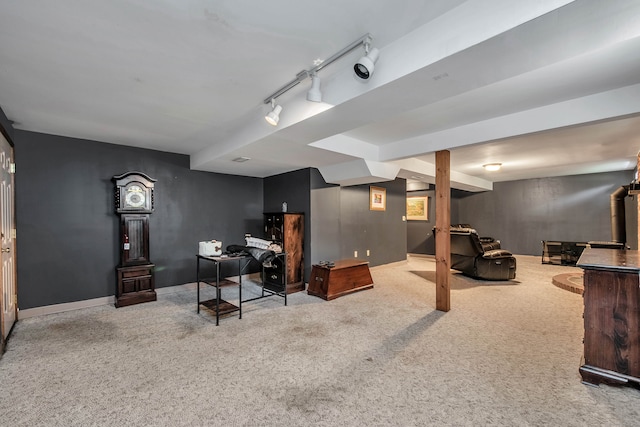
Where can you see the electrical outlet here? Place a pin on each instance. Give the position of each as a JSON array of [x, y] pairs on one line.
[[368, 252], [355, 254]]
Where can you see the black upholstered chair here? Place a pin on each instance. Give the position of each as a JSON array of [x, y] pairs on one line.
[[480, 258]]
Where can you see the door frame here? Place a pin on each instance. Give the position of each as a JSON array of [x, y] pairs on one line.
[[3, 340]]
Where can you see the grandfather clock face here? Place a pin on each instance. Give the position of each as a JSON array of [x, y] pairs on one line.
[[134, 196]]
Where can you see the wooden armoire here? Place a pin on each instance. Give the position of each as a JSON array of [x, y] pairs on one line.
[[286, 229]]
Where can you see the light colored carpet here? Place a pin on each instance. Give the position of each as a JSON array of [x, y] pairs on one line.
[[506, 354]]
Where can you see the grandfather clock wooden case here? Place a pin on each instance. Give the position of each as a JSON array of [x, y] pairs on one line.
[[134, 204]]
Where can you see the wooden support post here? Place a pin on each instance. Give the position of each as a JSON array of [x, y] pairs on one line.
[[638, 203], [443, 222]]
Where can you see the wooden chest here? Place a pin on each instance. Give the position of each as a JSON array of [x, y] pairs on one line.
[[345, 277]]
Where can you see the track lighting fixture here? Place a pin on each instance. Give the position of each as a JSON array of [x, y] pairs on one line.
[[314, 94], [273, 116], [363, 68], [365, 65]]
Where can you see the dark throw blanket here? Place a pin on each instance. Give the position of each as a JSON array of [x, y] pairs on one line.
[[263, 256]]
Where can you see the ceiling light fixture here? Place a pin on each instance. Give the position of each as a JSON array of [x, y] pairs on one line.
[[273, 116], [314, 93], [241, 159], [365, 65], [492, 167]]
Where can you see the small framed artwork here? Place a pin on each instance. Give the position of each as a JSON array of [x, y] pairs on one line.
[[377, 199], [418, 208]]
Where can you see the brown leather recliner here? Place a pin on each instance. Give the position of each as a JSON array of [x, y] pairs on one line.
[[478, 259]]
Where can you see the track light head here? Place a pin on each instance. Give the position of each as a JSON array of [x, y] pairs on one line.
[[273, 116], [314, 94], [365, 65]]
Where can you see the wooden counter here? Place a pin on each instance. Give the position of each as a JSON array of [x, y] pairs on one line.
[[611, 316], [347, 276]]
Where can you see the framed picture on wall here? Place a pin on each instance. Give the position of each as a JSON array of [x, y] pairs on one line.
[[418, 208], [377, 199]]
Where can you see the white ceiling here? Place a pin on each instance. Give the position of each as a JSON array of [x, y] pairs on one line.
[[547, 88]]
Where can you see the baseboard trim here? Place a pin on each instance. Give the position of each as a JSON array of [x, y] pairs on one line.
[[416, 255], [391, 264], [110, 300], [67, 306]]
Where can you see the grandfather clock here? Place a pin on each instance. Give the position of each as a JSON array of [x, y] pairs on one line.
[[134, 203]]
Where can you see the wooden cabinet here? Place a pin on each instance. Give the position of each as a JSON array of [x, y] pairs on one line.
[[286, 229], [611, 316], [135, 285]]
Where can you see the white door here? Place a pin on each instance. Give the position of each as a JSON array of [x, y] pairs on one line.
[[7, 237]]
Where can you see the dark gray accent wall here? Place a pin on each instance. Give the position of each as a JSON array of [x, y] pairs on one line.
[[338, 220], [523, 213], [293, 188], [67, 240], [325, 227], [569, 208], [68, 245], [317, 180], [344, 223], [420, 239]]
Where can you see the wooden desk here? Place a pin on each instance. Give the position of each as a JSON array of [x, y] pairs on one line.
[[347, 276], [611, 316]]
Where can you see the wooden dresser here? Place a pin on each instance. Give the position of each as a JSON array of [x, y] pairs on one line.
[[611, 316]]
